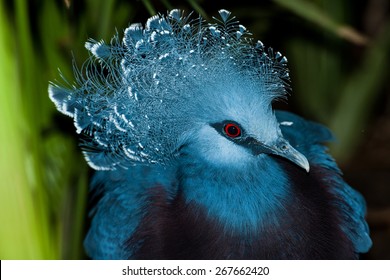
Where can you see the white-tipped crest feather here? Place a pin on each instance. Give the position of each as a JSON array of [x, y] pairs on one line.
[[134, 98]]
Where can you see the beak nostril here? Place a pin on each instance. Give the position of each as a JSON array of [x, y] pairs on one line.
[[285, 150]]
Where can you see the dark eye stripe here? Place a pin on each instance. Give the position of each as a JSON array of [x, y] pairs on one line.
[[233, 132]]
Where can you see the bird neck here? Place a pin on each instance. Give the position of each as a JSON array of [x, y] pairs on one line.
[[239, 198]]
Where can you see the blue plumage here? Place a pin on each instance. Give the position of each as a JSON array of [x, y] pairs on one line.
[[193, 162]]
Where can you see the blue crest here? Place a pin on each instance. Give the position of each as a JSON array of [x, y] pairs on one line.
[[130, 96]]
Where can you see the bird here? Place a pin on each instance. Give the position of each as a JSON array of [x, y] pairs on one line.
[[191, 159]]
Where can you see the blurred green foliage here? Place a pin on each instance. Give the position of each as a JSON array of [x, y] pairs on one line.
[[337, 76]]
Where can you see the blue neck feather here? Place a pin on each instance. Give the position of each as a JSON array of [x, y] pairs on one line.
[[245, 198]]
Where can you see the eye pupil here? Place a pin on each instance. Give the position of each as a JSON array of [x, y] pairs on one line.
[[232, 130]]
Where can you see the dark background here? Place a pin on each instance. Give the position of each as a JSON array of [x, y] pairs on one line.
[[338, 52]]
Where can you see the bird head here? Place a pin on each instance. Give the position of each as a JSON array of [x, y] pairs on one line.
[[178, 86], [237, 128]]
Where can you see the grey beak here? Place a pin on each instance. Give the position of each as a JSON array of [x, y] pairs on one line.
[[288, 152], [283, 149]]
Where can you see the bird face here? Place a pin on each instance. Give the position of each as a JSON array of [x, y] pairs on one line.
[[246, 131]]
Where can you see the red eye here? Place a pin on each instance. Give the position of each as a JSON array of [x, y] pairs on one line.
[[232, 130]]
